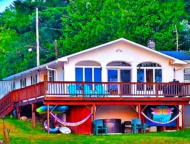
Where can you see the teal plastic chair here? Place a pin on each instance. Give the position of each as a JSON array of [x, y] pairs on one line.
[[87, 91], [73, 90], [136, 124], [101, 91], [99, 127]]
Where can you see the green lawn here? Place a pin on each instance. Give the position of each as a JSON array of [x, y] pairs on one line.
[[22, 133]]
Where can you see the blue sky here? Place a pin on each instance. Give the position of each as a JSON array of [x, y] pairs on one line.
[[4, 4]]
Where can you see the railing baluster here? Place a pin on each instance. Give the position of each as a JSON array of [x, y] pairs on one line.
[[156, 84]]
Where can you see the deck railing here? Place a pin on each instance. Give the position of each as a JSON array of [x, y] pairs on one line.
[[96, 89], [16, 96], [117, 89], [29, 92]]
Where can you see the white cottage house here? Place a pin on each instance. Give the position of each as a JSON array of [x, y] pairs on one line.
[[117, 80]]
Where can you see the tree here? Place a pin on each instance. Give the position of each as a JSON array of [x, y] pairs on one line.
[[17, 33], [93, 22]]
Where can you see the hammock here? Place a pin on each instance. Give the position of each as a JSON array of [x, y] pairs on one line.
[[70, 123], [160, 122]]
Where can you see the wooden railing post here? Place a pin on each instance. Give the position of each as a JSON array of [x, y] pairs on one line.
[[45, 88], [157, 89], [121, 89]]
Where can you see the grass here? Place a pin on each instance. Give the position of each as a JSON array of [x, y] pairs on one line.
[[22, 133]]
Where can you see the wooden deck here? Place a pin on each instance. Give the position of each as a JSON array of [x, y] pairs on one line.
[[96, 93]]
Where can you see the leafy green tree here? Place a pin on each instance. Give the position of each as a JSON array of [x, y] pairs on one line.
[[17, 29], [93, 22]]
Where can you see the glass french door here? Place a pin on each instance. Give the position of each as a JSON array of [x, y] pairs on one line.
[[125, 76], [149, 79], [119, 76]]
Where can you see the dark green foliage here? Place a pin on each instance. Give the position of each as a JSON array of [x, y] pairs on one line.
[[81, 24], [18, 33], [93, 22]]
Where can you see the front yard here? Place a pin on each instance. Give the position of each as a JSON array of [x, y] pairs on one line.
[[22, 133]]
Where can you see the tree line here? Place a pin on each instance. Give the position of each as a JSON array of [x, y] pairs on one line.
[[75, 25]]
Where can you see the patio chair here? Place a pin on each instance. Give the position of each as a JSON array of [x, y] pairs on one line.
[[127, 127], [87, 91], [101, 91], [99, 127], [73, 90], [137, 125]]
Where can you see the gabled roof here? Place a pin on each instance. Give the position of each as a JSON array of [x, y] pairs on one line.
[[176, 61], [182, 55], [65, 59]]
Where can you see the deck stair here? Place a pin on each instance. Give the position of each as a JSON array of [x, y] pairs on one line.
[[7, 111], [6, 105]]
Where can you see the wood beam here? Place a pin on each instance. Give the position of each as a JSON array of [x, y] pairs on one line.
[[48, 120], [33, 115], [78, 102], [183, 117]]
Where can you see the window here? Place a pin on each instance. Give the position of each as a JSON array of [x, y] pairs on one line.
[[149, 72], [97, 74], [119, 63], [51, 75], [148, 64], [88, 74], [158, 75], [187, 74], [119, 71], [14, 85], [79, 74], [33, 79], [22, 83]]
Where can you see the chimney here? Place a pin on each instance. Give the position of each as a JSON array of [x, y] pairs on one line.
[[151, 44]]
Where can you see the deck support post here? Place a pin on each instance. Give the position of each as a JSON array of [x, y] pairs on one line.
[[177, 120], [139, 112], [183, 117], [48, 120], [18, 112], [94, 112], [33, 115]]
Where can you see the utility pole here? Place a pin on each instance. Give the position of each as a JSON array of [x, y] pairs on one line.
[[177, 39], [37, 39]]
